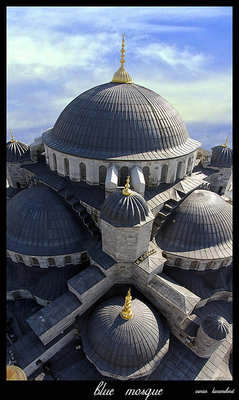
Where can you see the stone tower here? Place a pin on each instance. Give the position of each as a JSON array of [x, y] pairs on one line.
[[126, 224]]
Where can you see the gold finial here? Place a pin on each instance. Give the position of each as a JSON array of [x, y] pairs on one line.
[[126, 191], [122, 75], [122, 50], [225, 144], [12, 139], [127, 313], [15, 373]]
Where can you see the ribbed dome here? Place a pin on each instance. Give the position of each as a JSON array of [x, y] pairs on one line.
[[200, 227], [221, 157], [17, 151], [122, 347], [40, 223], [121, 210], [120, 121], [215, 327]]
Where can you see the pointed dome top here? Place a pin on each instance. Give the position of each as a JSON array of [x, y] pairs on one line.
[[122, 75]]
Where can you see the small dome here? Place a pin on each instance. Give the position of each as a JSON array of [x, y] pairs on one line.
[[215, 327], [124, 348], [40, 223], [200, 227], [221, 157], [17, 151], [121, 210]]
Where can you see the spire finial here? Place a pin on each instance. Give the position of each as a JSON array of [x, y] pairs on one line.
[[122, 76], [225, 144], [126, 191], [122, 51], [12, 139], [127, 313]]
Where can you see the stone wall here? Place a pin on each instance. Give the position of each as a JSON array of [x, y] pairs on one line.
[[126, 243]]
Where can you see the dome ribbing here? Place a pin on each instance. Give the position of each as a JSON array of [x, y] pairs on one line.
[[17, 151], [200, 227], [120, 347], [215, 327], [120, 121], [221, 157], [39, 223], [121, 210]]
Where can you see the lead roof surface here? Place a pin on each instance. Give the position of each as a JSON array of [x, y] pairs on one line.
[[120, 122], [40, 223], [199, 228]]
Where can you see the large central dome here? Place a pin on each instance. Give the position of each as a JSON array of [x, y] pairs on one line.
[[116, 120]]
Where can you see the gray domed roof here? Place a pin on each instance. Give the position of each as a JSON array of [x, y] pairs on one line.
[[121, 210], [124, 348], [17, 151], [39, 223], [120, 121], [200, 227], [215, 326], [221, 157]]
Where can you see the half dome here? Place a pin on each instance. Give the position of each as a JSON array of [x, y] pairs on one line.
[[124, 348], [120, 121], [121, 210], [39, 223], [200, 228]]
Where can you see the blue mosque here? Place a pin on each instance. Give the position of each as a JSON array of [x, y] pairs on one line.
[[119, 244]]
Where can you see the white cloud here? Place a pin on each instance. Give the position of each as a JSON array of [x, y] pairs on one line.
[[173, 56]]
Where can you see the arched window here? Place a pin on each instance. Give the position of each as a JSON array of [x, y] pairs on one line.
[[194, 265], [179, 169], [209, 265], [189, 165], [102, 174], [146, 175], [177, 262], [224, 262], [34, 261], [54, 162], [164, 173], [19, 258], [67, 260], [66, 167], [18, 185], [124, 172], [82, 172], [51, 262]]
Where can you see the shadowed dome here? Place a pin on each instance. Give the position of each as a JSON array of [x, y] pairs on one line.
[[124, 348], [121, 210], [40, 223], [215, 326], [17, 151], [120, 121], [200, 227], [221, 157]]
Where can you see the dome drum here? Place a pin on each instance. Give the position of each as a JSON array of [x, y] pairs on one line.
[[58, 261], [85, 169]]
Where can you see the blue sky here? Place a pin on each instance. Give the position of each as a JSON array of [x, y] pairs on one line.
[[182, 53]]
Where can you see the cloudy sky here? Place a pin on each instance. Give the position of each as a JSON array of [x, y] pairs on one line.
[[182, 53]]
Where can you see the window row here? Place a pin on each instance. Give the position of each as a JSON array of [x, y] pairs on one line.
[[123, 171]]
